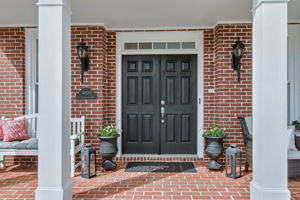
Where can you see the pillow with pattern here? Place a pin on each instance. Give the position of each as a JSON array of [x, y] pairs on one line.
[[1, 130], [15, 130]]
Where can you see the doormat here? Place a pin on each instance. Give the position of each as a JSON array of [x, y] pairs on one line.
[[161, 167]]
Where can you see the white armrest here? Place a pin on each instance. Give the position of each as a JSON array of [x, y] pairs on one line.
[[74, 137], [291, 138]]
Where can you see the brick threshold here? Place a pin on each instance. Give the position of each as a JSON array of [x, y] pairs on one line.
[[155, 157]]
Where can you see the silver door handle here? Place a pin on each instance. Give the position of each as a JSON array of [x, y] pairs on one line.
[[162, 112]]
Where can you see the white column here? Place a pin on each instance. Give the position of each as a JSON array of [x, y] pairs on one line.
[[270, 101], [54, 101]]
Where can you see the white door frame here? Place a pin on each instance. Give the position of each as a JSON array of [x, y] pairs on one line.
[[161, 36]]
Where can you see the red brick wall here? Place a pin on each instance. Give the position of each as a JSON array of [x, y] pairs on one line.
[[209, 78], [95, 78], [12, 71], [111, 77], [230, 99]]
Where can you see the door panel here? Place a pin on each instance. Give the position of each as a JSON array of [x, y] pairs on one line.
[[179, 91], [149, 84], [140, 110]]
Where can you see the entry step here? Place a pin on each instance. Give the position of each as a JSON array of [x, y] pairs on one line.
[[154, 157]]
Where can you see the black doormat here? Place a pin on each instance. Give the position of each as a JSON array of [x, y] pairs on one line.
[[160, 167]]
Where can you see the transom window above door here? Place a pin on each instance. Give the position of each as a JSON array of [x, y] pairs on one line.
[[159, 45]]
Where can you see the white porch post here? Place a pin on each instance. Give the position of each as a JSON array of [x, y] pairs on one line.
[[54, 101], [270, 101]]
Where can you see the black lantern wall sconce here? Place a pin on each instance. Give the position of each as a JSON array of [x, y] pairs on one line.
[[82, 52], [237, 54]]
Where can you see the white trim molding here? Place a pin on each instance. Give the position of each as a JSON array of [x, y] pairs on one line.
[[143, 28], [293, 72], [31, 36], [159, 28], [158, 36]]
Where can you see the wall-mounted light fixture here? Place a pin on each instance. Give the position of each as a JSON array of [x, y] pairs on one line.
[[82, 51], [237, 54]]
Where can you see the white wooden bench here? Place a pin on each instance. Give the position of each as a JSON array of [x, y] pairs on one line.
[[30, 147], [77, 141]]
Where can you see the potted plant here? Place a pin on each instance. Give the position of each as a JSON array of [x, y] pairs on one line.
[[108, 136], [296, 124], [214, 145]]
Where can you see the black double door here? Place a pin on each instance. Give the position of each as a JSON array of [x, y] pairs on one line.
[[159, 104]]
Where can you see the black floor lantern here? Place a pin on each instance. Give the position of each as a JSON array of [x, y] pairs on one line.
[[233, 162], [88, 159]]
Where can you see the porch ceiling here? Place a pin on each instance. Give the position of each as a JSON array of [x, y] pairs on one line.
[[142, 13]]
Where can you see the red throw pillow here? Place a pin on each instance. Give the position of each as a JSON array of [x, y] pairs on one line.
[[1, 130], [15, 130]]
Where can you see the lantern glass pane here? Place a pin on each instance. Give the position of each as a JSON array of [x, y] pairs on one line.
[[240, 51], [85, 165], [235, 51], [81, 52], [238, 165], [229, 164], [92, 164]]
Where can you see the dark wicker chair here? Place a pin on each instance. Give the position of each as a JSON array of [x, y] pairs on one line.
[[247, 141]]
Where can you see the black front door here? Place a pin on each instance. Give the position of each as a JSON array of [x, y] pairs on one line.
[[159, 100]]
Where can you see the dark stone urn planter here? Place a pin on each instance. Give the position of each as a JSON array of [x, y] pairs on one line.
[[214, 149], [297, 139], [108, 149]]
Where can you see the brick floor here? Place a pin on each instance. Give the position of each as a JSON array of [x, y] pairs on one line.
[[19, 183]]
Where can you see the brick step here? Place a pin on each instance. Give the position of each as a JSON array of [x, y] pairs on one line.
[[174, 158]]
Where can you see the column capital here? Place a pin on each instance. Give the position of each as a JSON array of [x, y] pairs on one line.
[[52, 2], [257, 3], [55, 3]]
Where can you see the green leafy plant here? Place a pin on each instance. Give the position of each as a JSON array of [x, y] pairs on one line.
[[109, 130], [214, 131], [296, 124]]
